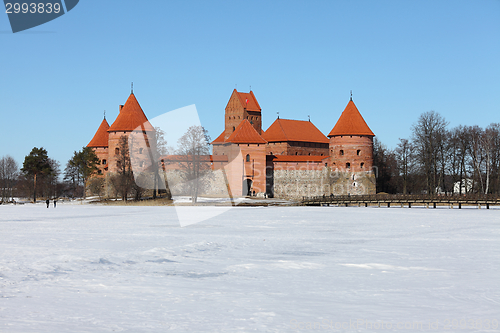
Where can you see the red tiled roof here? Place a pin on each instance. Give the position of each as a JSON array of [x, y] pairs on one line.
[[296, 158], [245, 133], [351, 123], [283, 130], [220, 138], [100, 138], [131, 117], [248, 101]]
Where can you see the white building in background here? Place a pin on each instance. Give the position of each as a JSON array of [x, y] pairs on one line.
[[465, 184]]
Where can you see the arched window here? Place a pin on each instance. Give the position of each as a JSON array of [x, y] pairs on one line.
[[117, 151], [248, 158], [358, 152], [341, 152], [348, 165], [271, 153], [104, 162], [362, 165], [233, 128]]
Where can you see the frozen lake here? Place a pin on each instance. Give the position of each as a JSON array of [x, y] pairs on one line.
[[85, 268]]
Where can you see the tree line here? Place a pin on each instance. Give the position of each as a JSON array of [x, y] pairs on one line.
[[437, 159]]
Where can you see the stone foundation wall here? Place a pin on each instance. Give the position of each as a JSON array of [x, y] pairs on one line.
[[213, 184], [296, 184]]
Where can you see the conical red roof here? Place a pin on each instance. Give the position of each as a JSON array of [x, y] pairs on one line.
[[284, 130], [100, 138], [245, 133], [131, 117], [351, 123]]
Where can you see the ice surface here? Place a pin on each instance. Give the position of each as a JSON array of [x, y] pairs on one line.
[[87, 268]]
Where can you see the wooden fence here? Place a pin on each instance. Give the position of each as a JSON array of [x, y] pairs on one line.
[[410, 200]]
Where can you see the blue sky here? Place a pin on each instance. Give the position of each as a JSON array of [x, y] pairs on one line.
[[400, 59]]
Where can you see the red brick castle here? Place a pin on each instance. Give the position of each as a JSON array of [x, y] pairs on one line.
[[291, 159]]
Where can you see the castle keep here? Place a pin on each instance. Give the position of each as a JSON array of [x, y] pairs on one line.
[[291, 159]]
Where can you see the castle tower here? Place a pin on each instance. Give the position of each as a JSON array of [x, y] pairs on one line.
[[351, 142], [99, 143], [248, 174], [132, 123], [242, 106]]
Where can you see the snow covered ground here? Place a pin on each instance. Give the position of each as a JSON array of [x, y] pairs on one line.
[[87, 268]]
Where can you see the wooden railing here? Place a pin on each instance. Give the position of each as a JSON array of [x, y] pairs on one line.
[[404, 200]]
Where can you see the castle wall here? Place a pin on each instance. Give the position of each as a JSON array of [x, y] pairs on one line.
[[297, 148], [296, 184]]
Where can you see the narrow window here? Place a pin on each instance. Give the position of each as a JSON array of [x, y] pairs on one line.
[[358, 152], [248, 158], [341, 152], [104, 162], [233, 128], [362, 165], [117, 151], [348, 165], [99, 172]]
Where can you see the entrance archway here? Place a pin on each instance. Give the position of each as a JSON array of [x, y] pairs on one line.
[[247, 187]]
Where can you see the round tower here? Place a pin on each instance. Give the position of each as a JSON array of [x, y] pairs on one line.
[[99, 144], [133, 124], [351, 142]]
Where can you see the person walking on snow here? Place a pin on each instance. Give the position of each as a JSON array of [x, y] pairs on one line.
[[47, 202]]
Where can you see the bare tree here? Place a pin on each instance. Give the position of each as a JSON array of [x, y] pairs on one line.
[[52, 179], [124, 180], [494, 131], [477, 156], [404, 157], [8, 174], [490, 140], [159, 149], [385, 162], [194, 147], [428, 137]]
